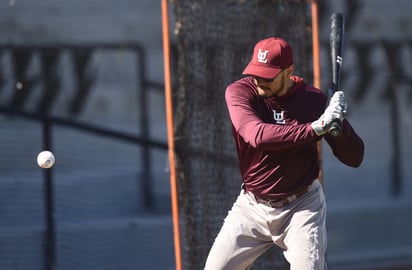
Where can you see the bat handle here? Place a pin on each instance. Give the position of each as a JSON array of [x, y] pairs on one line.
[[335, 129]]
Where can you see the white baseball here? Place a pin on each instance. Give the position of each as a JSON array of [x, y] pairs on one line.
[[45, 159]]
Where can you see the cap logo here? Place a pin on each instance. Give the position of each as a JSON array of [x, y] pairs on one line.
[[262, 56]]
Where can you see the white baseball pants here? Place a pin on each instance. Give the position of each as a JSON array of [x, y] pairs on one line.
[[251, 228]]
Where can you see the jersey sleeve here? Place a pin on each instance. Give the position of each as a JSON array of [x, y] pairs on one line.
[[254, 131], [349, 147]]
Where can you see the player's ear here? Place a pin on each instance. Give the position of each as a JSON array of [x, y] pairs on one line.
[[290, 69]]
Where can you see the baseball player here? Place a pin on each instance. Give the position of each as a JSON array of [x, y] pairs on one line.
[[277, 120]]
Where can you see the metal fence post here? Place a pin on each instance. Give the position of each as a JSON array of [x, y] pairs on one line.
[[50, 241]]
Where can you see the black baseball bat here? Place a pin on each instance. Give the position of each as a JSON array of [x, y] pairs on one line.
[[336, 49]]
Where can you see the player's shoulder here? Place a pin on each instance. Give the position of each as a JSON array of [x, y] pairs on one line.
[[315, 91], [312, 91], [244, 82], [243, 86], [310, 94]]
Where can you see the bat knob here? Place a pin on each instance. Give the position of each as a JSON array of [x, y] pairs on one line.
[[335, 129]]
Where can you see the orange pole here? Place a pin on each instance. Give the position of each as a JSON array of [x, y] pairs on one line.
[[316, 68], [170, 133], [315, 44]]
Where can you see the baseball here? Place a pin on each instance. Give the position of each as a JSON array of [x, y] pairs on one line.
[[45, 159]]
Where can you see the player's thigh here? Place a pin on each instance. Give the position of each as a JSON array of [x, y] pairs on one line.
[[306, 237], [239, 242]]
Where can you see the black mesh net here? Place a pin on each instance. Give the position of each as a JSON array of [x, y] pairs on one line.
[[100, 207], [215, 40]]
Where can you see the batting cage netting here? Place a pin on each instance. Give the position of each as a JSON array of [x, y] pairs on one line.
[[215, 40]]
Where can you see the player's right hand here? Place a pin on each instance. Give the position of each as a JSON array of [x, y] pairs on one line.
[[335, 111], [338, 100]]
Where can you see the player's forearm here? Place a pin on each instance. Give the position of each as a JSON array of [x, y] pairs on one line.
[[276, 137], [349, 147]]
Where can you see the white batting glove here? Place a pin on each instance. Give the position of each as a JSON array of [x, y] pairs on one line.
[[338, 101], [335, 111]]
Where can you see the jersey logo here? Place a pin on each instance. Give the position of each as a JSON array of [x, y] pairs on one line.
[[278, 116], [262, 56]]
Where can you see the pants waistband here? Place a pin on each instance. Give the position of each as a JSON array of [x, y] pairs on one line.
[[278, 203]]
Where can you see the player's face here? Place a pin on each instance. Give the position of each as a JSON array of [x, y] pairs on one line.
[[277, 86]]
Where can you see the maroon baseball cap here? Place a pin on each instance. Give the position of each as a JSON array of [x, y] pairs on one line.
[[270, 56]]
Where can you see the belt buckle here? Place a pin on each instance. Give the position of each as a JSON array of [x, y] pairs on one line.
[[278, 203], [281, 202]]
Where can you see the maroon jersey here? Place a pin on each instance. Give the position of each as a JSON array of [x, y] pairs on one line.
[[276, 146]]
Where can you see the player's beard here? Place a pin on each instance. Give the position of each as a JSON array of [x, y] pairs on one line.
[[280, 90]]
